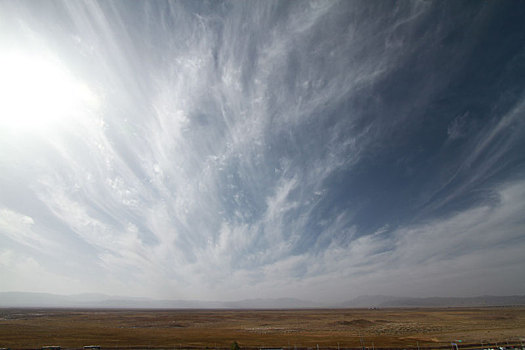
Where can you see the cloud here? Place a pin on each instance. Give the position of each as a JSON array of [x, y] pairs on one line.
[[464, 252], [462, 249], [25, 273], [20, 228], [283, 148], [458, 128]]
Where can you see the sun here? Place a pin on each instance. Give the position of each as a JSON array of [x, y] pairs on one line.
[[39, 93]]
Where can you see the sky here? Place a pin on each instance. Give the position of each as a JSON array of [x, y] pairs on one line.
[[211, 150]]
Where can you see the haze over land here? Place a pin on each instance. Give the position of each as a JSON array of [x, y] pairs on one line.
[[90, 301], [225, 151]]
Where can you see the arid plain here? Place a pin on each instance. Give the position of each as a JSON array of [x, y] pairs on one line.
[[330, 328]]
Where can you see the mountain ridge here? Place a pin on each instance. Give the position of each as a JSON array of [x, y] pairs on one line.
[[95, 300], [381, 301]]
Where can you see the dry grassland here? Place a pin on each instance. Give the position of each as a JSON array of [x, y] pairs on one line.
[[350, 328]]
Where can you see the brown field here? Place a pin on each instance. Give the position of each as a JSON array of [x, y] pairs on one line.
[[175, 329]]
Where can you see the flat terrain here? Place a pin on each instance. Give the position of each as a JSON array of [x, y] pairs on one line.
[[350, 328]]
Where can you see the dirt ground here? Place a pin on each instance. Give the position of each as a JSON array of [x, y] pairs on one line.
[[343, 328]]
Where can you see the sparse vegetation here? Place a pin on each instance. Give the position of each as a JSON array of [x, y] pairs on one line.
[[235, 346], [215, 329]]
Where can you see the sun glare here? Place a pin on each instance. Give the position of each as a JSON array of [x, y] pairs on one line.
[[39, 93]]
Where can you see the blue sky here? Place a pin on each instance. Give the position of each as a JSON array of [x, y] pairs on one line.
[[232, 150]]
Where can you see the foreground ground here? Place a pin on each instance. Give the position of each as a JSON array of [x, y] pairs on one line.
[[346, 328]]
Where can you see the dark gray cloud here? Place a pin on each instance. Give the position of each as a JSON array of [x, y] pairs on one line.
[[312, 149]]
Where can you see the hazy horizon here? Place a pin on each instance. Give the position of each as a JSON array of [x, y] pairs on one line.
[[97, 300], [266, 149]]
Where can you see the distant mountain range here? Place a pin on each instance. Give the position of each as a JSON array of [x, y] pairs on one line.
[[382, 301], [26, 299]]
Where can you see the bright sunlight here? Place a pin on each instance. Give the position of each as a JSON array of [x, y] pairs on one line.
[[38, 94]]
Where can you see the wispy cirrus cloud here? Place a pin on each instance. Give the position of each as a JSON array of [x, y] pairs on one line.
[[290, 149]]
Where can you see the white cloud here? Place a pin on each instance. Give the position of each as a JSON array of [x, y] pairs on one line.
[[446, 256], [21, 229], [210, 159], [441, 257], [21, 272]]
